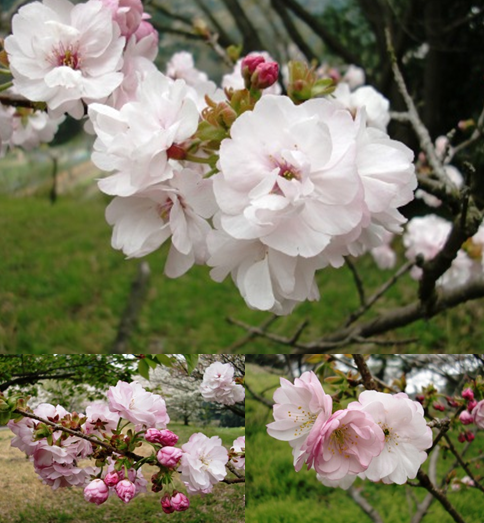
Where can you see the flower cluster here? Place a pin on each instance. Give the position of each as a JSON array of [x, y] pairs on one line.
[[100, 434], [218, 385], [381, 437], [265, 187]]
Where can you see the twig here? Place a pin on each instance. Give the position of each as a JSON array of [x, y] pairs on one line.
[[379, 293], [358, 282], [365, 505], [250, 336], [462, 463], [439, 495], [258, 397], [423, 507], [477, 133], [366, 376]]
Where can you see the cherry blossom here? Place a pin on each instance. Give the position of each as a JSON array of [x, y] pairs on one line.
[[406, 435], [100, 418], [239, 446], [176, 209], [297, 408], [73, 57], [134, 140], [345, 444], [218, 384], [134, 403], [96, 492], [203, 462], [478, 414]]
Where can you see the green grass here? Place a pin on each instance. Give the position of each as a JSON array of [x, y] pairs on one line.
[[63, 289], [25, 499], [278, 494]]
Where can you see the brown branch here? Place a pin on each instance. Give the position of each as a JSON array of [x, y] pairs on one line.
[[358, 282], [251, 39], [365, 372], [258, 397], [78, 434], [14, 101], [476, 135], [365, 505], [439, 495], [366, 305], [250, 335], [231, 481]]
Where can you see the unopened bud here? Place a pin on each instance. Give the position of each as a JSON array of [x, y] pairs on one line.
[[265, 75], [468, 394], [248, 67], [176, 152]]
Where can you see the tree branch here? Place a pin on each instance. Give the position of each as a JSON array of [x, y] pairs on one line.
[[258, 397], [364, 504], [366, 376]]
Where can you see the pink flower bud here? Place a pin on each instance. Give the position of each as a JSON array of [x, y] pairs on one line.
[[471, 405], [462, 437], [96, 492], [467, 394], [466, 418], [179, 501], [168, 438], [152, 435], [169, 456], [249, 65], [265, 75], [166, 504], [125, 490], [111, 479], [438, 406], [470, 436]]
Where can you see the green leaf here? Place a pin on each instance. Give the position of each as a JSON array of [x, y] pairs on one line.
[[144, 369], [151, 362], [192, 362], [4, 417], [165, 360]]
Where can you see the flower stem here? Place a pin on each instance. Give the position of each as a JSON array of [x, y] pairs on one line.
[[4, 87], [197, 159]]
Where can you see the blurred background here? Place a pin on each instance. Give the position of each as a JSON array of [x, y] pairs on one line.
[[279, 494], [64, 290]]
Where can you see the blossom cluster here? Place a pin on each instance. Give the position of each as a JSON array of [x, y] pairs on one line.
[[265, 187], [380, 437], [219, 386], [99, 434]]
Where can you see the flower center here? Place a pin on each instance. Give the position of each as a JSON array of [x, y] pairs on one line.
[[391, 437], [164, 209], [341, 440], [66, 56], [304, 419]]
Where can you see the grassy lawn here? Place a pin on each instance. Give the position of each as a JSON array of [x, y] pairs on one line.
[[63, 289], [278, 494], [25, 499]]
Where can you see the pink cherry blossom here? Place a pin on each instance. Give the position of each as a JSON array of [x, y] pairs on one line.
[[163, 437], [132, 402], [297, 408], [406, 435], [111, 479], [73, 56], [218, 384], [468, 394], [133, 140], [478, 414], [203, 462], [169, 456], [265, 75], [178, 209], [166, 504], [96, 492], [127, 14], [466, 418], [182, 66], [239, 446], [345, 444], [179, 501], [125, 490], [100, 418]]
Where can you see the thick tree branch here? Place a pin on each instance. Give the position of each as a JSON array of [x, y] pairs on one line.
[[366, 376]]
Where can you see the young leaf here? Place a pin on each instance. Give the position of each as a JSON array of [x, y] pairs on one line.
[[192, 361], [144, 369], [165, 360]]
